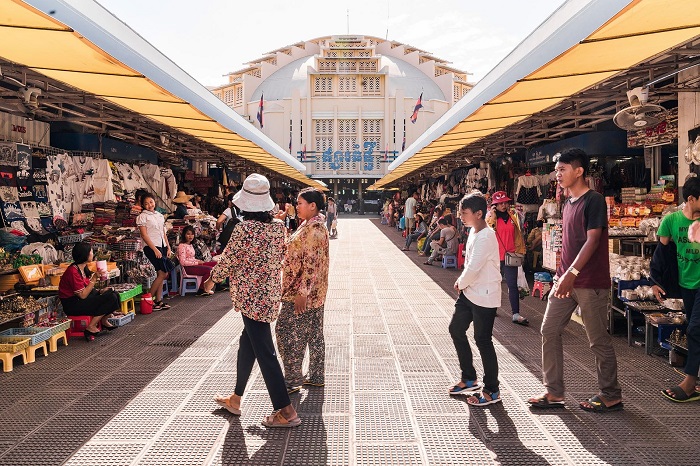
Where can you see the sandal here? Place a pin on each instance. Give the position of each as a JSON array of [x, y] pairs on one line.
[[542, 402], [493, 397], [678, 395], [597, 405], [225, 402], [205, 293], [470, 387], [278, 420], [161, 305], [521, 321]]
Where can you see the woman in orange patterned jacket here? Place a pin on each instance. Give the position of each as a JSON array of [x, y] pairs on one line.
[[304, 295]]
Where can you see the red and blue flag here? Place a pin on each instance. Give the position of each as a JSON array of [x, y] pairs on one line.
[[414, 117], [260, 111]]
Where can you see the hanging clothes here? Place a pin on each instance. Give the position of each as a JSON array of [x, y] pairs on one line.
[[84, 170], [102, 181], [168, 188]]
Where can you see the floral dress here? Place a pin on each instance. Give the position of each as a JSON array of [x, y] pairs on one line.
[[253, 262]]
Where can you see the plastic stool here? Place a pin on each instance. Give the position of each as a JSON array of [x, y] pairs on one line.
[[449, 262], [7, 359], [128, 306], [78, 325], [31, 351], [165, 288], [189, 285], [542, 287], [54, 339], [174, 280]]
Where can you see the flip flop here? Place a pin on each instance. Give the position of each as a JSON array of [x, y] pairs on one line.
[[598, 406], [472, 387], [277, 420], [679, 395], [544, 403]]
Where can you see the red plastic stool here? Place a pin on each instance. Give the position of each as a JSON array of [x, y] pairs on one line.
[[543, 288], [78, 325]]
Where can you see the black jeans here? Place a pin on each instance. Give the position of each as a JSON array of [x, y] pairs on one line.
[[691, 302], [511, 276], [465, 313], [256, 343]]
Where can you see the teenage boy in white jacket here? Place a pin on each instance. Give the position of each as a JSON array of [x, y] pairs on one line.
[[479, 288]]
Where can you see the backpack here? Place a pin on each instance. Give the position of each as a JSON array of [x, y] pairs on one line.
[[228, 228]]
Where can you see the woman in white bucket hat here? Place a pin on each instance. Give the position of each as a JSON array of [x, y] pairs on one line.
[[253, 262]]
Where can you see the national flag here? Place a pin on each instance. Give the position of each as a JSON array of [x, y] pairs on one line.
[[290, 143], [303, 153], [260, 111], [403, 144], [386, 152], [414, 117]]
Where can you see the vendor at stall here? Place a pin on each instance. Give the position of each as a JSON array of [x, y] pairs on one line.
[[181, 200], [79, 296]]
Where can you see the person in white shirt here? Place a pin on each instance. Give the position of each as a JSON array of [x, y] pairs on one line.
[[479, 288], [409, 212]]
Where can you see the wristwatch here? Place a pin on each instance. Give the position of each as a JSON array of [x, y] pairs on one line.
[[573, 270]]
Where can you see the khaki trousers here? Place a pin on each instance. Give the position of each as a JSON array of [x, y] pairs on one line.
[[594, 312]]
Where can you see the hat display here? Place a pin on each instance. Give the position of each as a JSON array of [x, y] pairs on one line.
[[181, 197], [254, 196], [500, 197]]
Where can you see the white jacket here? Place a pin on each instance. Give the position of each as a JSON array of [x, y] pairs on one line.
[[480, 280]]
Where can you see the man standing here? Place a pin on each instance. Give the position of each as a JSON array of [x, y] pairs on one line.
[[409, 212], [583, 280], [678, 227]]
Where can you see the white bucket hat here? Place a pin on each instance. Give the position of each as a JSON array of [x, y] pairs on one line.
[[255, 195]]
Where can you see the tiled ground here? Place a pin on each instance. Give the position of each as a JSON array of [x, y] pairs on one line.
[[389, 363]]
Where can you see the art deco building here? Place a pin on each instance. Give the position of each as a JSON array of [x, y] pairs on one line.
[[343, 104]]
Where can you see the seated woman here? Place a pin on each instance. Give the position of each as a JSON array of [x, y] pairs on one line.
[[188, 261], [79, 296], [180, 200]]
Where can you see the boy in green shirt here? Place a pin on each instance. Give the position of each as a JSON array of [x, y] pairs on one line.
[[675, 227]]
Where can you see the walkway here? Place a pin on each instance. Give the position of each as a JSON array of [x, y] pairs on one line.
[[389, 362]]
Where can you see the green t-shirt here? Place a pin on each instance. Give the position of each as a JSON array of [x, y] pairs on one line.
[[676, 225]]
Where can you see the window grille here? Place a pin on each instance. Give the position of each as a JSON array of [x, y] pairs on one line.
[[326, 66], [332, 54], [346, 66], [456, 93], [323, 126], [371, 126], [272, 61], [322, 143], [368, 66], [347, 85], [372, 43], [323, 85], [255, 72], [228, 96], [371, 85], [365, 54], [348, 54], [440, 71], [347, 126], [239, 96], [374, 164]]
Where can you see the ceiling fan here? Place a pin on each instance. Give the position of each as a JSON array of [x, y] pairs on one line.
[[639, 114]]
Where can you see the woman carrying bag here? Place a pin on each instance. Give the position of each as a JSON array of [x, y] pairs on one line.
[[511, 248]]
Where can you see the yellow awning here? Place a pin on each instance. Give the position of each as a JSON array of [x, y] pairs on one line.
[[633, 33], [84, 46]]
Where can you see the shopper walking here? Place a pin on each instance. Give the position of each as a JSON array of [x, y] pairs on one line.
[[582, 280], [409, 212], [252, 261], [331, 213], [479, 288], [305, 286], [680, 227], [506, 224], [151, 224]]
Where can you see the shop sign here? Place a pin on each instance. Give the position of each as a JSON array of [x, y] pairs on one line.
[[335, 159], [665, 132], [16, 128], [537, 158], [203, 182]]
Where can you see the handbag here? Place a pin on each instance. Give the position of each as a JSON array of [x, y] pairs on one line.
[[511, 259]]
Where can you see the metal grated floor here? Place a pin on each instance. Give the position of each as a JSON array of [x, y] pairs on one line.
[[143, 394]]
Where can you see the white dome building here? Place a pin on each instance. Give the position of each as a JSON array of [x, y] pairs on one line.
[[343, 104]]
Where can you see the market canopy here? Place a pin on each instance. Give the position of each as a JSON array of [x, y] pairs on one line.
[[583, 43], [83, 45]]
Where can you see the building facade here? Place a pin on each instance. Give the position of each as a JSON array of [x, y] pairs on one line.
[[343, 104]]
